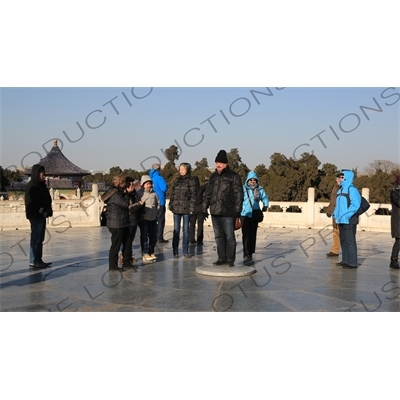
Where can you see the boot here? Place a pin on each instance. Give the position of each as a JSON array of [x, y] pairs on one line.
[[394, 263]]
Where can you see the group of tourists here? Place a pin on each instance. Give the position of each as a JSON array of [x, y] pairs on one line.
[[230, 203]]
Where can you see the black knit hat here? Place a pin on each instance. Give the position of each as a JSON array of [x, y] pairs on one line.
[[221, 157]]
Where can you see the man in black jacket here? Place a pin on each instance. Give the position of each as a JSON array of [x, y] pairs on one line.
[[37, 209], [224, 196]]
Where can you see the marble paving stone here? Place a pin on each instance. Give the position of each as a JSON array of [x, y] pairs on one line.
[[287, 278]]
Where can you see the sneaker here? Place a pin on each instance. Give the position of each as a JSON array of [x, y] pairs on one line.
[[163, 241], [153, 256], [187, 256], [176, 256], [146, 257], [193, 242], [230, 264]]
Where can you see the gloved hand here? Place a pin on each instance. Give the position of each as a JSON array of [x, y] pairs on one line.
[[170, 208], [265, 208], [328, 215]]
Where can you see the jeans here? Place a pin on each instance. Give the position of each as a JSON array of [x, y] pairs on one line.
[[348, 243], [224, 237], [38, 229], [177, 230], [160, 222]]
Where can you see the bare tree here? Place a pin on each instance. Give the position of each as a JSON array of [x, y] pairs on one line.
[[385, 166]]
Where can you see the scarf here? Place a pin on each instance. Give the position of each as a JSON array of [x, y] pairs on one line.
[[256, 192]]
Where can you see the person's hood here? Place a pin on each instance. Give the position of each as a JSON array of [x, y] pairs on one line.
[[348, 179], [35, 173], [154, 172], [252, 175]]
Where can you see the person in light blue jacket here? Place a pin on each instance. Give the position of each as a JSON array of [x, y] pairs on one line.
[[348, 201], [253, 194]]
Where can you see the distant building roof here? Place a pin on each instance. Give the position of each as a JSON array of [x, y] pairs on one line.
[[55, 163]]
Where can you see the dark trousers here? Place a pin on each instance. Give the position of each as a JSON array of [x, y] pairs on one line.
[[225, 237], [396, 248], [249, 235], [119, 236], [160, 222], [132, 234], [38, 230], [148, 229], [348, 243], [199, 218]]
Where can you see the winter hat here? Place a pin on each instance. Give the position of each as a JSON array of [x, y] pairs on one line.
[[398, 180], [221, 157], [135, 182], [144, 179]]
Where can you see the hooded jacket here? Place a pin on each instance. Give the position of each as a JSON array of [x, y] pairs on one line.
[[37, 195], [247, 209], [348, 201], [159, 185]]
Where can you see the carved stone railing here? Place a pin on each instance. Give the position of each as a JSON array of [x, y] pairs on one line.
[[85, 211]]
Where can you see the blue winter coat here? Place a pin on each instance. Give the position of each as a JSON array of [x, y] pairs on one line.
[[246, 208], [159, 185], [348, 200]]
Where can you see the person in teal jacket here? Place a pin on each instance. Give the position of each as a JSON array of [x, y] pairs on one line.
[[253, 194], [348, 201]]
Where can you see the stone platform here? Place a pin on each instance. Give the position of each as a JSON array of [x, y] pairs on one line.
[[292, 274]]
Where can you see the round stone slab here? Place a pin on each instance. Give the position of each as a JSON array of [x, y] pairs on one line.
[[225, 271]]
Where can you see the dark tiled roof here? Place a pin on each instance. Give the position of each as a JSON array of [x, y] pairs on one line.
[[55, 163], [60, 183]]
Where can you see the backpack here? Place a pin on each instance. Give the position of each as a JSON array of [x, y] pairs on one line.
[[364, 206]]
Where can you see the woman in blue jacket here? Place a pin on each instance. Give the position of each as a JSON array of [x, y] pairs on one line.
[[253, 194]]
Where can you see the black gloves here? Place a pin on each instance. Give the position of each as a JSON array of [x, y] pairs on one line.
[[265, 208], [328, 215]]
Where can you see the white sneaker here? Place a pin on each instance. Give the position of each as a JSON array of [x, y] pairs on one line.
[[153, 256], [146, 257]]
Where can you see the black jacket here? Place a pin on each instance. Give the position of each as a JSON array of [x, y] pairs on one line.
[[183, 195], [395, 217], [37, 196], [117, 208], [224, 194]]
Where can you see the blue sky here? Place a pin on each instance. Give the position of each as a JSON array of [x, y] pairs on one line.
[[129, 127]]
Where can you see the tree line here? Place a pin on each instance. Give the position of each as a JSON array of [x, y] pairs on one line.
[[286, 179]]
